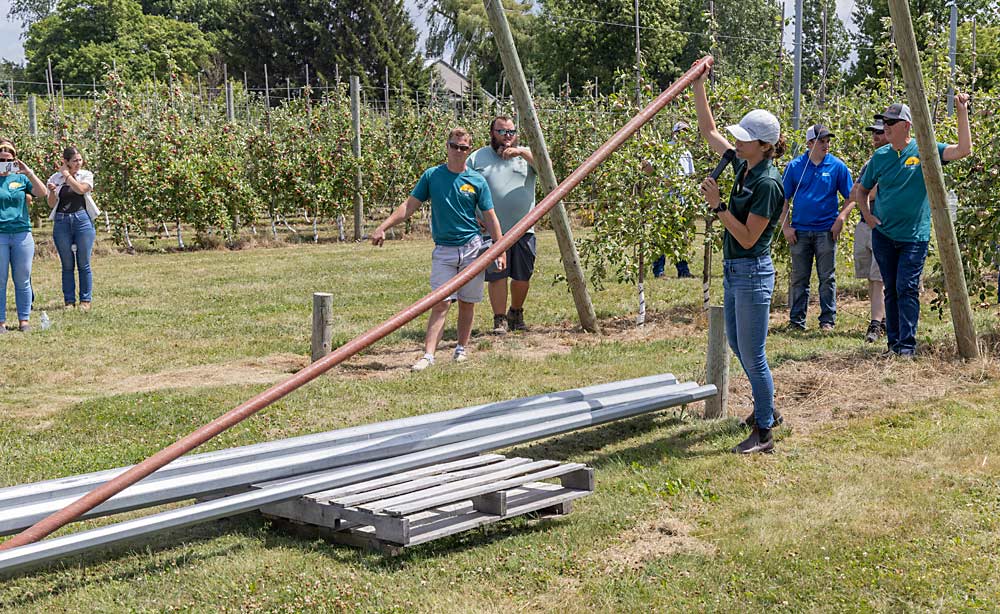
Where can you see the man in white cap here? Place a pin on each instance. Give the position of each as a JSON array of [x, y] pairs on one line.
[[811, 183], [901, 218], [685, 169]]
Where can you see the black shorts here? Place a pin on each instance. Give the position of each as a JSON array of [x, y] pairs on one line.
[[520, 261]]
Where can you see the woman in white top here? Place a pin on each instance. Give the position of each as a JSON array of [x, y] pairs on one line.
[[68, 190]]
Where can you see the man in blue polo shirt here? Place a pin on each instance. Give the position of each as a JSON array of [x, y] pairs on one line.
[[811, 183], [901, 219], [456, 192]]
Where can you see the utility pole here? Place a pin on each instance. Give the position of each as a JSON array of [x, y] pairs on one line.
[[797, 76], [952, 51], [951, 258], [533, 130], [823, 73]]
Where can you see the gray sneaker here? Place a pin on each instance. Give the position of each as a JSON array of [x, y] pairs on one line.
[[460, 355], [500, 324]]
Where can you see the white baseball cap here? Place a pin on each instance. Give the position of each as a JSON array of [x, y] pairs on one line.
[[757, 125]]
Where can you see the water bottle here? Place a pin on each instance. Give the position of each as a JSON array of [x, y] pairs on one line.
[[44, 322], [952, 200]]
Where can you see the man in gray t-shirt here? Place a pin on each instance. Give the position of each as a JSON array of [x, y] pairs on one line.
[[510, 174]]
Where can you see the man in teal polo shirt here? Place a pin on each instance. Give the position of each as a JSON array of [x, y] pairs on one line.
[[901, 219], [509, 171], [456, 194]]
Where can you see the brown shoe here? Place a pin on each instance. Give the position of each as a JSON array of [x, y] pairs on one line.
[[84, 306]]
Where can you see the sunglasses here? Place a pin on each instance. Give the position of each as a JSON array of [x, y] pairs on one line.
[[891, 122], [503, 132], [879, 132], [459, 147]]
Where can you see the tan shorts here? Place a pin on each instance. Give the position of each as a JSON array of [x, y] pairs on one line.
[[448, 261], [865, 266]]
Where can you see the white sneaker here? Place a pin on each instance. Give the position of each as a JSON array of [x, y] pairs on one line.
[[423, 363], [460, 355]]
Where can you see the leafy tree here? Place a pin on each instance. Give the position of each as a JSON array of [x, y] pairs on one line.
[[838, 47], [461, 27], [363, 37], [30, 11], [83, 37], [588, 40], [747, 37], [214, 18]]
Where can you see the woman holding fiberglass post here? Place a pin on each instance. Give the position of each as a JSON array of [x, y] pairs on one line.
[[17, 246], [750, 217]]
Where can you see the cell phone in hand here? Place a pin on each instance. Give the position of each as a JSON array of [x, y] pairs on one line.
[[9, 167]]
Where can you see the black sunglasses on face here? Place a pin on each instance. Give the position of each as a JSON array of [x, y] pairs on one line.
[[879, 132], [459, 147], [891, 122], [503, 132]]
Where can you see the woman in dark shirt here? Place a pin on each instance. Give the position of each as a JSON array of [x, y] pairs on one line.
[[750, 218], [68, 190]]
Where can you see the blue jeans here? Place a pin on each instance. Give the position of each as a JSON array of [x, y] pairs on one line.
[[748, 284], [75, 228], [660, 263], [822, 247], [901, 263], [16, 253]]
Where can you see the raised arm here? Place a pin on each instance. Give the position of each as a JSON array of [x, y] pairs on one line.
[[706, 123], [964, 147]]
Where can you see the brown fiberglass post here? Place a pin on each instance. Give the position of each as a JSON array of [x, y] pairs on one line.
[[182, 446]]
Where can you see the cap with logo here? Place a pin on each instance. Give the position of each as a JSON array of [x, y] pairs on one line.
[[817, 131], [878, 126], [896, 110], [757, 125]]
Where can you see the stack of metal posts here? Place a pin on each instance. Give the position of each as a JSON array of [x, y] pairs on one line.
[[245, 478]]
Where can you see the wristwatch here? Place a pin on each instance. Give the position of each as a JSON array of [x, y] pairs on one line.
[[722, 207]]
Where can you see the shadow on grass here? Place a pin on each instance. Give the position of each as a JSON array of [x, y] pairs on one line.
[[152, 554]]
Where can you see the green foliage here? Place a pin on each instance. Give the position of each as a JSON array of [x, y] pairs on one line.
[[362, 37], [587, 40], [82, 38], [461, 28]]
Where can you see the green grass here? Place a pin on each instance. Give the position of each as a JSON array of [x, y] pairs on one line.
[[892, 510]]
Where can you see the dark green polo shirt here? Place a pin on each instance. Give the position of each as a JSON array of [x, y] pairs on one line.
[[759, 193]]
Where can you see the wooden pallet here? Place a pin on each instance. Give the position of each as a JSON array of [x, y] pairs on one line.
[[418, 506]]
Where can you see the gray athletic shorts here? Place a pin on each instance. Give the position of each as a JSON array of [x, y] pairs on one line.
[[865, 266], [448, 260]]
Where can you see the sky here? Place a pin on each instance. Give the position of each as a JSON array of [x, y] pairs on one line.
[[11, 47]]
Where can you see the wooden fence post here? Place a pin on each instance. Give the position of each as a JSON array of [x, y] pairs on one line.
[[32, 116], [322, 325], [717, 364]]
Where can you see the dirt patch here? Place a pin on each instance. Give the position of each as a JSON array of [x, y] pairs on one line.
[[537, 343], [812, 393], [655, 538], [264, 370]]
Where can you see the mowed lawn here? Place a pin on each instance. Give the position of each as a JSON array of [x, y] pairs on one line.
[[883, 494]]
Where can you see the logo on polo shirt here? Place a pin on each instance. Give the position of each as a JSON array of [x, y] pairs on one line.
[[13, 185], [912, 161], [468, 188]]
